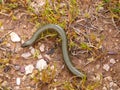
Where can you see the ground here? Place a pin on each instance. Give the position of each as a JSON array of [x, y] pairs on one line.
[[99, 59]]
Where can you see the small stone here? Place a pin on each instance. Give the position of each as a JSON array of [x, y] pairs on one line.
[[18, 81], [104, 88], [55, 89], [106, 67], [97, 66], [1, 28], [26, 55], [52, 67], [29, 69], [32, 50], [112, 61], [41, 64], [22, 69], [14, 37], [8, 44], [42, 48], [112, 84], [17, 67]]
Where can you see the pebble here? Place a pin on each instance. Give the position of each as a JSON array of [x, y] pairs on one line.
[[18, 81], [41, 64], [32, 50], [55, 89], [1, 28], [112, 60], [17, 67], [104, 88], [42, 47], [112, 84], [14, 37], [106, 67], [97, 66], [26, 55], [22, 69], [29, 69]]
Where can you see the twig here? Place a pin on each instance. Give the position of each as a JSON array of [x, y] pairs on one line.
[[114, 24], [5, 35], [4, 14]]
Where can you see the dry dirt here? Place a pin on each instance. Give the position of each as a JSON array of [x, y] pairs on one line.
[[109, 80]]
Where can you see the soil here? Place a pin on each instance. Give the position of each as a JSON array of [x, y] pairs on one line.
[[109, 80]]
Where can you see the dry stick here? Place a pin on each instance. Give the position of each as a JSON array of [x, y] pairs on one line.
[[114, 24], [4, 14], [115, 27], [5, 35]]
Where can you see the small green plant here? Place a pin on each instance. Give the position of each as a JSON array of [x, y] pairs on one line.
[[1, 1], [85, 46]]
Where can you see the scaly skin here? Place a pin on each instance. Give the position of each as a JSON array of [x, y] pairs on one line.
[[64, 46]]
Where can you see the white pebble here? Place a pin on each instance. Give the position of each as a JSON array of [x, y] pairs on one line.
[[112, 84], [1, 28], [41, 64], [106, 67], [97, 66], [29, 69], [18, 81], [112, 61], [42, 48], [14, 37], [104, 88], [32, 50], [26, 55]]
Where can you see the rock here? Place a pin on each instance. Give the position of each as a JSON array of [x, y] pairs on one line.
[[22, 69], [106, 67], [41, 64], [14, 37], [97, 66], [29, 69], [104, 88], [1, 28], [112, 84], [26, 55], [42, 47], [32, 50], [112, 60], [18, 81], [17, 67]]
